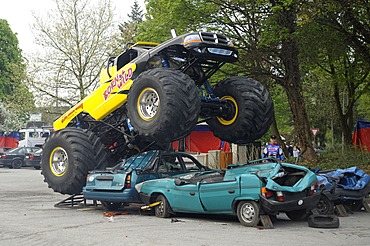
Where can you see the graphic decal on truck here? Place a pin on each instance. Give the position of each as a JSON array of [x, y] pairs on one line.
[[118, 81]]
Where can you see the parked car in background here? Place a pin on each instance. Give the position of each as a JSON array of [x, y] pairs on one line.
[[115, 187], [14, 158], [33, 159], [348, 186], [248, 190]]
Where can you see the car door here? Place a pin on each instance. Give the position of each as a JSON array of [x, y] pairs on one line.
[[185, 198], [218, 196]]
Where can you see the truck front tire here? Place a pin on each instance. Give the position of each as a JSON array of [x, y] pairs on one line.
[[163, 105]]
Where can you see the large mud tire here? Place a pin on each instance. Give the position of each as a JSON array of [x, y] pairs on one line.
[[68, 156], [252, 113], [163, 105]]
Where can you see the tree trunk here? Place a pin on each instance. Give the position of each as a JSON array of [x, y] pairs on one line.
[[292, 82]]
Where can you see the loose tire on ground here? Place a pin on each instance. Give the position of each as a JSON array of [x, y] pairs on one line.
[[163, 209], [297, 215], [323, 221], [17, 163], [325, 206], [252, 106], [163, 105], [248, 213], [68, 156]]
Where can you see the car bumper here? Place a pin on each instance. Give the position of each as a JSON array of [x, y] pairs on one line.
[[126, 196], [308, 202], [145, 198]]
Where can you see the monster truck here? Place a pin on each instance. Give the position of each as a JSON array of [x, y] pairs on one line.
[[149, 96]]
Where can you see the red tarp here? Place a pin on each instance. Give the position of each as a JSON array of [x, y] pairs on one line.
[[8, 142], [202, 140], [361, 135]]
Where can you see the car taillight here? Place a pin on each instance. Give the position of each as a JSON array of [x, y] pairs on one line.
[[267, 193], [32, 157], [313, 188], [3, 156], [128, 181], [280, 196]]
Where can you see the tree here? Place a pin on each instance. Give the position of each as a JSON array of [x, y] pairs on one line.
[[10, 60], [338, 43], [15, 98], [129, 28], [75, 46]]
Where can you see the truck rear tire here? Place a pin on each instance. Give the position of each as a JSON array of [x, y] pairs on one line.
[[252, 110], [163, 105], [68, 156]]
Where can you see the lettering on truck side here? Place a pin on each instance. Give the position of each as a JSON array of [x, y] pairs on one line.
[[118, 81], [72, 114]]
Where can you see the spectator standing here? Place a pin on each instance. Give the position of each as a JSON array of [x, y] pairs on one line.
[[296, 151], [273, 149]]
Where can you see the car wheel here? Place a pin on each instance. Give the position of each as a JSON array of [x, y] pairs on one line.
[[297, 215], [163, 105], [162, 210], [248, 213], [251, 110], [323, 221], [17, 164], [325, 206], [112, 205], [68, 156]]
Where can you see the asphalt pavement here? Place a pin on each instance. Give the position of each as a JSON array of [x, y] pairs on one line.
[[28, 217]]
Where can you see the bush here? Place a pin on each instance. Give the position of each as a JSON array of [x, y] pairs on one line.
[[328, 160]]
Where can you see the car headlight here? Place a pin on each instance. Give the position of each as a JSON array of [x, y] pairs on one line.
[[193, 38]]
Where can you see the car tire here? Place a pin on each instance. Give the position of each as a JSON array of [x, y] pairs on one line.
[[112, 205], [297, 215], [37, 168], [17, 164], [325, 206], [68, 156], [163, 105], [323, 221], [253, 110], [162, 210], [248, 213]]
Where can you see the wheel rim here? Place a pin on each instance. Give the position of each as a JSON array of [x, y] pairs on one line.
[[160, 208], [322, 206], [59, 161], [248, 212], [148, 104], [17, 163], [234, 111]]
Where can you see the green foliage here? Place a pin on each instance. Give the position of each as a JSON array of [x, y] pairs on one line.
[[10, 59], [363, 108], [16, 99], [337, 159]]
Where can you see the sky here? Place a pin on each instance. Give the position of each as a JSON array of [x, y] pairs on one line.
[[19, 16]]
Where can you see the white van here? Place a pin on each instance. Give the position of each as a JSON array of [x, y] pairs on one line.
[[33, 137]]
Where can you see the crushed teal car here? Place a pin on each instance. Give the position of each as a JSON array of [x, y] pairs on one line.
[[263, 186]]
